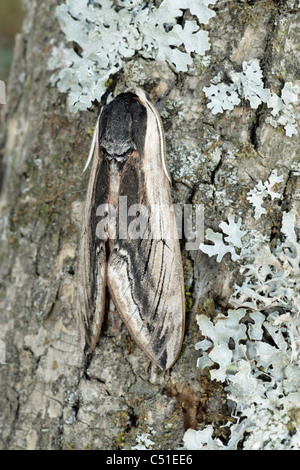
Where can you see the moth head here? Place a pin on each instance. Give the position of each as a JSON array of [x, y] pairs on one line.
[[139, 93], [145, 102]]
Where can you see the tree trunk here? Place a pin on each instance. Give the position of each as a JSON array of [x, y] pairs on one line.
[[51, 396]]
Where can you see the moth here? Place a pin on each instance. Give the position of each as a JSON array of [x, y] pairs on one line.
[[134, 269]]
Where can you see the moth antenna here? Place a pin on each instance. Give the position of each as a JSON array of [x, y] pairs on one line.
[[92, 149], [162, 140]]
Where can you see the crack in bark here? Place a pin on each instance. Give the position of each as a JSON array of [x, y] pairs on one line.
[[264, 64], [286, 201]]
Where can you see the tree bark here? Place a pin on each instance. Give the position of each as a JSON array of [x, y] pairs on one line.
[[51, 397]]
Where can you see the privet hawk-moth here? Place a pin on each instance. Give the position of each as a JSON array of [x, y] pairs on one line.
[[140, 269]]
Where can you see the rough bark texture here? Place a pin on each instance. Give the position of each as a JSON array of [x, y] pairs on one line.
[[50, 396]]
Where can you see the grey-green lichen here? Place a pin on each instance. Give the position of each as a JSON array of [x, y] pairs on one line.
[[248, 85], [107, 34], [256, 348]]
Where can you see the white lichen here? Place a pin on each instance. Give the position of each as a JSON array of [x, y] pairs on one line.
[[106, 34], [256, 197], [143, 440], [261, 378], [233, 231], [282, 108], [272, 278], [249, 85], [223, 97], [262, 191], [254, 349], [233, 240], [203, 440]]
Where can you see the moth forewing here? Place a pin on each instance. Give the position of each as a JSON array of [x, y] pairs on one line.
[[91, 265], [160, 129], [143, 271], [151, 302]]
